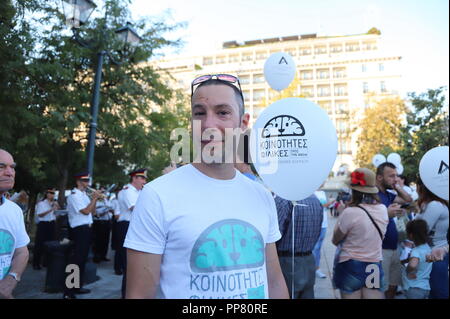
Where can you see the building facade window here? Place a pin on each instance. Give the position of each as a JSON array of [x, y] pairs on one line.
[[320, 49], [258, 95], [339, 73], [380, 67], [305, 51], [326, 105], [341, 107], [336, 48], [244, 80], [323, 74], [306, 75], [246, 95], [261, 55], [207, 60], [340, 90], [307, 91], [258, 78], [365, 87], [363, 68], [323, 90], [234, 58], [247, 57], [383, 87]]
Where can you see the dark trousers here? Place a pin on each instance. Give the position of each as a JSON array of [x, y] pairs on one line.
[[304, 275], [82, 237], [101, 231], [46, 231], [121, 252]]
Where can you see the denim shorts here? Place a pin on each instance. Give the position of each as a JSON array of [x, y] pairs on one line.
[[351, 275]]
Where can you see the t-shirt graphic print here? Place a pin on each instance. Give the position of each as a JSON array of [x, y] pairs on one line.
[[228, 258]]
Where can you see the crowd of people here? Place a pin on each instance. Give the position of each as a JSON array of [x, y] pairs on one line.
[[211, 230]]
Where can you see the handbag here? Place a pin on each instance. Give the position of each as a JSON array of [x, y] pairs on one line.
[[375, 224]]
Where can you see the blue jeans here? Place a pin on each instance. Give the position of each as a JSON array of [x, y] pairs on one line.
[[318, 246], [417, 293], [439, 279], [351, 275]]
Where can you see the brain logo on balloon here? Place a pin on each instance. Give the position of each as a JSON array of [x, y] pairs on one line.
[[283, 125]]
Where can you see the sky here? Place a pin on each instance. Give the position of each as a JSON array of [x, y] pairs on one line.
[[416, 30]]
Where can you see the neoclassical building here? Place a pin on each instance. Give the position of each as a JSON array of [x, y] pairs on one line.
[[338, 73]]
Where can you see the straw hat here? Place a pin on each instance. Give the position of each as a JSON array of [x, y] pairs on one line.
[[363, 180]]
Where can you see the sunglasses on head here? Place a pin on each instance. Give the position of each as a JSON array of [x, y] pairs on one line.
[[220, 77]]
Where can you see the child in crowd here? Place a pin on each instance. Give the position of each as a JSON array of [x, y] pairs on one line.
[[416, 274]]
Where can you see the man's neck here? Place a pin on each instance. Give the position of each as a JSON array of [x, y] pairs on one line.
[[381, 188], [135, 186], [217, 171]]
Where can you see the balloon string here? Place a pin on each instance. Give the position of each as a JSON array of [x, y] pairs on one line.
[[293, 249]]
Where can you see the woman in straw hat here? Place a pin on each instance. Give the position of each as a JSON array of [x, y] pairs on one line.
[[358, 234]]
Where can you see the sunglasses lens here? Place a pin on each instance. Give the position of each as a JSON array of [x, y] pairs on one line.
[[201, 79], [227, 78]]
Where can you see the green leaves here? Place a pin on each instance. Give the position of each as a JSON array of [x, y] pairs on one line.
[[46, 90]]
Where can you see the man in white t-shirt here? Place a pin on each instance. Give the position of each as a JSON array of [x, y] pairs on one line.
[[13, 236], [205, 230]]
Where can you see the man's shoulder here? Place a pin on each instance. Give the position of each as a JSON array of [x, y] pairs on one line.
[[12, 207]]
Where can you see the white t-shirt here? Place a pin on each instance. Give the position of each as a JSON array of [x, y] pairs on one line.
[[77, 201], [12, 234], [127, 199], [323, 200], [42, 207], [212, 234]]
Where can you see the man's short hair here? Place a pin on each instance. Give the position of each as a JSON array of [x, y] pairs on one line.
[[238, 94], [380, 169]]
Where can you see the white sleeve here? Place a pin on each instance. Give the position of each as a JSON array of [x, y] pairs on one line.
[[40, 208], [274, 229], [127, 196], [147, 232], [22, 238], [76, 201]]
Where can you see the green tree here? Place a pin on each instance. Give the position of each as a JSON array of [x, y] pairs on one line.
[[46, 90], [380, 129], [427, 127]]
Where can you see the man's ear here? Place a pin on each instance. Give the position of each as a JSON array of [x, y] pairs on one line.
[[245, 120]]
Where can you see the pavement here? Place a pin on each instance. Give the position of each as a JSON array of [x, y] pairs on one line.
[[109, 284]]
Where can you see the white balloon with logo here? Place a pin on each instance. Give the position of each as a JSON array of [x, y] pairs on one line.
[[433, 170], [279, 70], [378, 159], [293, 147], [400, 168], [395, 159]]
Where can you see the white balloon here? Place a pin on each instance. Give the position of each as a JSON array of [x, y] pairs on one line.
[[378, 159], [293, 146], [395, 159], [279, 70], [433, 170], [400, 168]]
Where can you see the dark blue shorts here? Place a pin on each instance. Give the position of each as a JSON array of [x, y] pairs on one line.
[[352, 275]]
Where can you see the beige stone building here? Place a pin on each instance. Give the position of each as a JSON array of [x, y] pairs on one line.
[[336, 72]]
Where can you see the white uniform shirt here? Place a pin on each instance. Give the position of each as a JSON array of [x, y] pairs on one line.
[[115, 206], [12, 233], [101, 207], [42, 207], [127, 198], [77, 201]]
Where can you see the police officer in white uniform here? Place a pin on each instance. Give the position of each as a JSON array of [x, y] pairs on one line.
[[80, 208], [127, 199], [46, 230]]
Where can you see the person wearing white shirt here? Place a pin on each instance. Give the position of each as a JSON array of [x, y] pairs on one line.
[[80, 208], [101, 229], [46, 230], [127, 200], [116, 213], [13, 236]]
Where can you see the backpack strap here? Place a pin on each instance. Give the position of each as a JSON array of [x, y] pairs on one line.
[[375, 224]]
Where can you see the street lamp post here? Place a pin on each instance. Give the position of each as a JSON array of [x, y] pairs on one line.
[[77, 12]]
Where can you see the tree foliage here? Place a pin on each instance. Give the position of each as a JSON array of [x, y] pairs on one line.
[[46, 89], [380, 129], [427, 127]]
